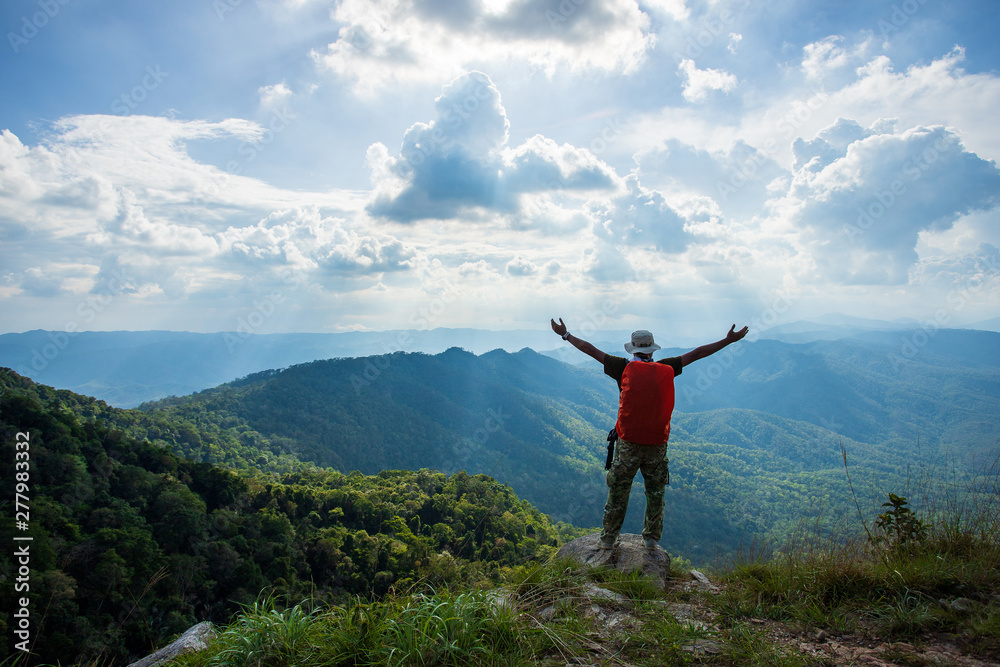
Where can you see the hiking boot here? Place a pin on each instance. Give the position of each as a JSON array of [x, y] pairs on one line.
[[650, 544], [606, 546]]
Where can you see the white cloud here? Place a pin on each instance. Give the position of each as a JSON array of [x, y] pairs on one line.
[[860, 215], [823, 56], [304, 240], [734, 42], [698, 83], [938, 93], [676, 9], [383, 42], [274, 95], [963, 275], [459, 164], [640, 218], [480, 269], [830, 144], [109, 200], [131, 226], [520, 267]]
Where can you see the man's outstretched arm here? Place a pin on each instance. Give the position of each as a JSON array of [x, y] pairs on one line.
[[578, 343], [711, 348]]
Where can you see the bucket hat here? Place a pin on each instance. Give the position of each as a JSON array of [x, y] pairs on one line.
[[642, 343]]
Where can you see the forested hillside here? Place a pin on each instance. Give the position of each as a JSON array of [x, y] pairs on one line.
[[131, 543]]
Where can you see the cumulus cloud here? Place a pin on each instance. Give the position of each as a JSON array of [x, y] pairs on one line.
[[698, 83], [860, 214], [459, 164], [640, 218], [830, 144], [823, 56], [386, 41], [520, 267], [351, 252], [480, 269], [305, 240], [131, 226], [938, 92]]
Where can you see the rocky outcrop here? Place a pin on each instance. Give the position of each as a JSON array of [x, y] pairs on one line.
[[195, 639], [628, 555]]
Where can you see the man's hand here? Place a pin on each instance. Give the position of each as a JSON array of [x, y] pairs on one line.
[[735, 335], [712, 348], [578, 343]]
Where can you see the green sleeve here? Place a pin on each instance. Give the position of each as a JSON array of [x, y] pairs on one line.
[[675, 362], [615, 366]]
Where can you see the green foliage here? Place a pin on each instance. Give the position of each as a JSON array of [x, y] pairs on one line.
[[898, 527], [133, 544], [420, 629], [264, 637]]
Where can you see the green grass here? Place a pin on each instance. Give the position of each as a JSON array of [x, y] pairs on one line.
[[889, 589], [541, 616], [472, 628]]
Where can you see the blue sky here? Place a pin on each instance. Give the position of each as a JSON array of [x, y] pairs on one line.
[[677, 165]]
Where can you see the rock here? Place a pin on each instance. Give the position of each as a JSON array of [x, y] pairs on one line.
[[679, 610], [596, 611], [962, 606], [195, 639], [620, 618], [628, 555], [595, 592], [703, 583], [501, 601], [703, 647]]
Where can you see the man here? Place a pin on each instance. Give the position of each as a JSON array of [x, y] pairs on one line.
[[646, 403]]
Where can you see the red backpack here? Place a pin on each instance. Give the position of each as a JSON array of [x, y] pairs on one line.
[[646, 403]]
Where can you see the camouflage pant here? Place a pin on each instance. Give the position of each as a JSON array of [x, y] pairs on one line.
[[629, 458]]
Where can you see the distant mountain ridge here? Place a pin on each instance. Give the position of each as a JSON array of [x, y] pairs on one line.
[[126, 368]]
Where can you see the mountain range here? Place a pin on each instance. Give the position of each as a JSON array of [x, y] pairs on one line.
[[757, 436], [126, 368], [757, 439]]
